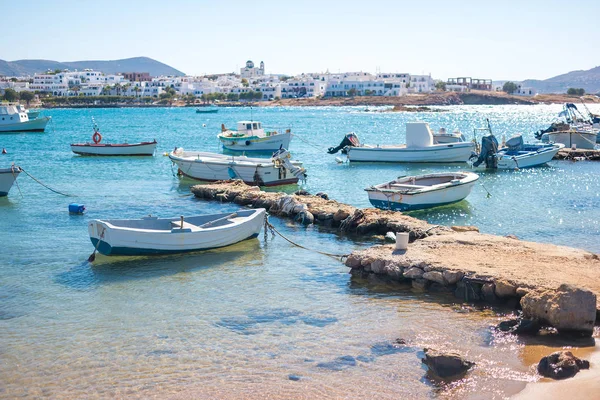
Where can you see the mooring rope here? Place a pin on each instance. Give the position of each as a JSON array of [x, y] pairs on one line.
[[307, 142], [46, 186], [273, 230]]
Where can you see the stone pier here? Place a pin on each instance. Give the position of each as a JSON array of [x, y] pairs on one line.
[[556, 285]]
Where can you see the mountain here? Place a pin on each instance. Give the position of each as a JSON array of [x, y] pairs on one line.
[[589, 80], [136, 64]]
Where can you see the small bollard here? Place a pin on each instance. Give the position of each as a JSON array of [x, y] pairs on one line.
[[402, 240]]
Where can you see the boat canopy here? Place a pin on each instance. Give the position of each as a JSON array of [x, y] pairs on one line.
[[418, 134], [249, 125]]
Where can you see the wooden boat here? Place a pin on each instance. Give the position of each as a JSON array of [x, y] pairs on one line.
[[15, 119], [515, 154], [443, 137], [250, 136], [207, 109], [204, 166], [419, 148], [422, 191], [8, 176], [113, 149], [152, 235]]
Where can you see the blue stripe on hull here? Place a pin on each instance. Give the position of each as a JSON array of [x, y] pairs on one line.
[[385, 205], [108, 250], [3, 194]]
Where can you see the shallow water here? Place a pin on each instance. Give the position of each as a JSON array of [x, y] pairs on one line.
[[260, 317]]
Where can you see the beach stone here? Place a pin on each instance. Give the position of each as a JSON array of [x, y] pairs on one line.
[[561, 365], [521, 291], [420, 283], [446, 365], [413, 273], [466, 228], [452, 276], [434, 276], [505, 289], [519, 326], [353, 261], [377, 266], [305, 217], [393, 270], [511, 236], [322, 195], [487, 292], [569, 309], [340, 215]]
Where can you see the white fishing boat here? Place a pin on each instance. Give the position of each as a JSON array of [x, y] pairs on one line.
[[8, 176], [204, 166], [516, 154], [422, 191], [250, 136], [419, 148], [14, 119], [444, 137], [152, 235], [575, 131], [112, 149]]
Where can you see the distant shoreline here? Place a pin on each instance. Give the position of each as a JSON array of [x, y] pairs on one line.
[[417, 99]]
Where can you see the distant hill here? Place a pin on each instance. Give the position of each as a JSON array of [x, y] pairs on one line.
[[136, 64], [589, 80]]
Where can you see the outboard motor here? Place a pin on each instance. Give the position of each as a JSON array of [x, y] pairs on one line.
[[350, 140], [281, 158], [489, 148]]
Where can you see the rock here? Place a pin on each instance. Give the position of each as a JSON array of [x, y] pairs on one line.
[[393, 270], [305, 217], [353, 261], [465, 228], [434, 276], [487, 293], [322, 195], [452, 276], [340, 215], [521, 291], [420, 283], [512, 237], [519, 326], [446, 365], [377, 266], [569, 309], [505, 289], [561, 365], [293, 377], [390, 237], [302, 192], [413, 273]]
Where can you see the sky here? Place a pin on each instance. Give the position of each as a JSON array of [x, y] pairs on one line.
[[500, 40]]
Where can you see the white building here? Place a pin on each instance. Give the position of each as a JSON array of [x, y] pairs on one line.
[[250, 71], [421, 84]]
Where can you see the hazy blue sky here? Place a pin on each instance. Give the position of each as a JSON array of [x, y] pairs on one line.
[[503, 39]]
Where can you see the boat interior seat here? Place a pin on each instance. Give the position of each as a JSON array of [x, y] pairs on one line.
[[186, 225], [406, 186]]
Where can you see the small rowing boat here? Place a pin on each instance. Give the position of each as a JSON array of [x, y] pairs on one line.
[[8, 176], [422, 191], [112, 149]]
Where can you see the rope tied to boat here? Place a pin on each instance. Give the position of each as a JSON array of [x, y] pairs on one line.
[[270, 228], [44, 185], [92, 256]]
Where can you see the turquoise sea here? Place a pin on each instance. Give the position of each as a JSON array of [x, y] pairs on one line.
[[260, 318]]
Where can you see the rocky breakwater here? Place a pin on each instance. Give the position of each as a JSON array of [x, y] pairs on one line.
[[317, 209], [554, 285]]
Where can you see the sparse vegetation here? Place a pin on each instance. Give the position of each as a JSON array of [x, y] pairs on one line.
[[576, 92], [509, 87]]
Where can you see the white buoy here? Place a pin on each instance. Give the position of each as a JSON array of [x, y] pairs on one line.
[[204, 125], [402, 240]]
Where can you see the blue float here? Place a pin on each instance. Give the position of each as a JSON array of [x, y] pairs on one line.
[[75, 208]]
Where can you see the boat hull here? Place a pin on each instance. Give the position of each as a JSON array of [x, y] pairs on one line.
[[111, 240], [255, 143], [417, 200], [206, 168], [134, 149], [581, 140], [211, 111], [528, 159], [8, 176], [36, 125], [442, 153]]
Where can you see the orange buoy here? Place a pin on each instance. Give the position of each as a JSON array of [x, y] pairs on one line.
[[97, 138]]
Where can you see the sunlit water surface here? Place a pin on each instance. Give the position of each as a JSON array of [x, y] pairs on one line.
[[260, 318]]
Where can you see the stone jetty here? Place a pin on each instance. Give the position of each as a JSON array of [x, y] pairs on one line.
[[577, 154], [555, 285]]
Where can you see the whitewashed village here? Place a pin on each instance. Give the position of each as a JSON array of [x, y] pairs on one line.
[[251, 83]]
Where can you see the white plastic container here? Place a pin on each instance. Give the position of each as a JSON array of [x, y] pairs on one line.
[[402, 240]]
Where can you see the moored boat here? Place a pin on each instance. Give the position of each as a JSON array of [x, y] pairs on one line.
[[575, 131], [152, 235], [205, 166], [112, 149], [422, 191], [15, 119], [211, 109], [419, 148], [250, 136], [444, 137], [515, 154], [8, 176]]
